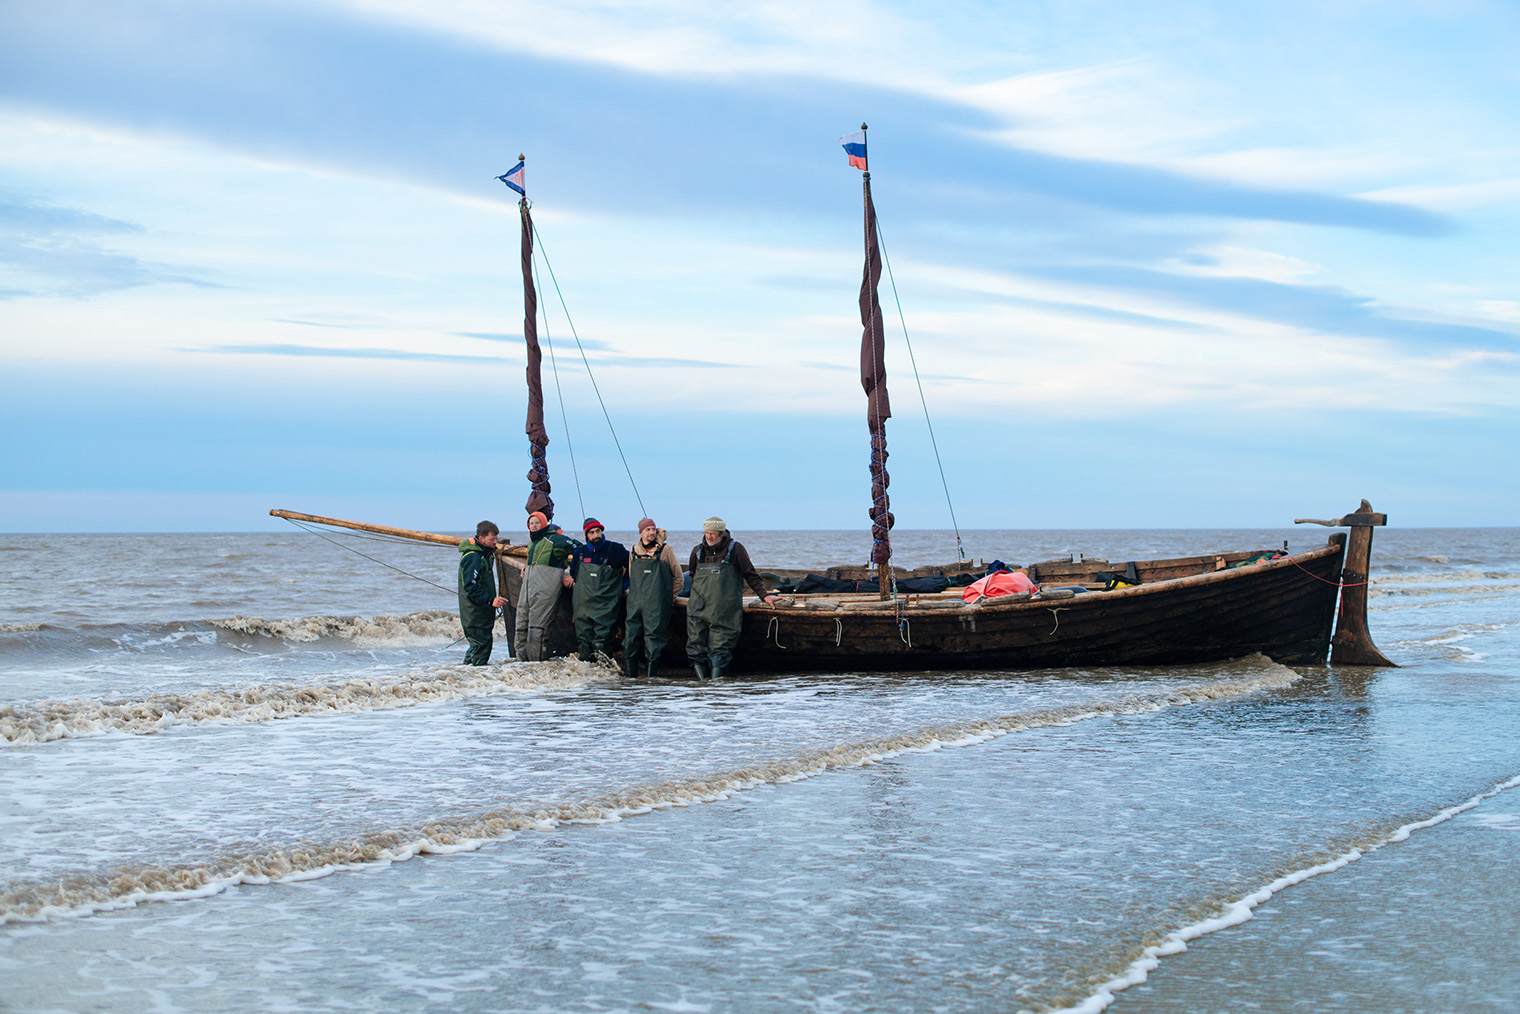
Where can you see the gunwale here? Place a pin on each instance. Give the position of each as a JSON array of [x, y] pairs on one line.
[[1282, 608]]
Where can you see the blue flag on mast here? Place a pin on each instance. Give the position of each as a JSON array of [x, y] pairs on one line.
[[514, 178]]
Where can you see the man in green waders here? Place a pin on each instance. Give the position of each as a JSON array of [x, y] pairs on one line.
[[720, 568], [543, 581], [654, 581], [478, 600], [597, 569]]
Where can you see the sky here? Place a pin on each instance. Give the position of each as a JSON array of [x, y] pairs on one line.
[[1174, 265]]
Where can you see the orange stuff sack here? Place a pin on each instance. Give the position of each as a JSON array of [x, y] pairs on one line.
[[1003, 582]]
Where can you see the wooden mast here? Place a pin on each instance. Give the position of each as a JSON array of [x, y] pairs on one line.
[[1352, 644], [538, 437], [873, 378]]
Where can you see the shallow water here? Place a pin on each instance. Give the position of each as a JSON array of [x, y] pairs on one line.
[[185, 760]]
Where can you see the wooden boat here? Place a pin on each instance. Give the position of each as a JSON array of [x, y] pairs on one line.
[[1192, 609]]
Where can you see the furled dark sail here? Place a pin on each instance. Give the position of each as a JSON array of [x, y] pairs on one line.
[[873, 377], [538, 437]]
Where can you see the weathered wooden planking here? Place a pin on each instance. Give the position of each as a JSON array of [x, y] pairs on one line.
[[1284, 609]]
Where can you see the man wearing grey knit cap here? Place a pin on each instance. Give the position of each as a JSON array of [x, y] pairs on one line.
[[720, 568]]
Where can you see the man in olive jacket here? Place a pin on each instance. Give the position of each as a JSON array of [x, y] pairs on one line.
[[478, 600], [543, 581], [720, 569]]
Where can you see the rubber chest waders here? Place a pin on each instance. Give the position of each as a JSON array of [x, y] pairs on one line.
[[597, 595], [714, 613], [651, 588], [536, 605], [476, 619]]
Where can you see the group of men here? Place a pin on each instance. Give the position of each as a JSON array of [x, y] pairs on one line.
[[609, 585]]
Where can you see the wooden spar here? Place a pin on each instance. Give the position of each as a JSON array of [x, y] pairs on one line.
[[1352, 644], [359, 526], [503, 550]]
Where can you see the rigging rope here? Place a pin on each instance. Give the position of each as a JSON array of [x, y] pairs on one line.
[[1338, 584], [382, 563], [539, 247], [558, 393], [881, 244]]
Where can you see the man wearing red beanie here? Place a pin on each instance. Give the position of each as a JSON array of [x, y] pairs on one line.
[[597, 569]]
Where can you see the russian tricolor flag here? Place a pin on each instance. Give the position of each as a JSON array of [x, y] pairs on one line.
[[855, 147], [514, 178]]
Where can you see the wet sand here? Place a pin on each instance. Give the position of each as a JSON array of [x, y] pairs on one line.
[[1428, 924]]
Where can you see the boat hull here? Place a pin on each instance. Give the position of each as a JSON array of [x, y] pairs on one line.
[[1283, 609]]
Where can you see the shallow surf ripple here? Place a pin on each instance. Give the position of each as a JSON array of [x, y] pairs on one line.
[[46, 721], [79, 891], [839, 860]]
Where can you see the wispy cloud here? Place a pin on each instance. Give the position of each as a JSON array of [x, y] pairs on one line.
[[773, 130], [1317, 308], [328, 352], [54, 250], [516, 336]]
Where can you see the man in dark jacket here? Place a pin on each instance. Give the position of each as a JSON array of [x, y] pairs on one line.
[[597, 569], [544, 580], [478, 600], [720, 568]]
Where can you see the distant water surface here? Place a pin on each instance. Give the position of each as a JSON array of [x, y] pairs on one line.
[[195, 730]]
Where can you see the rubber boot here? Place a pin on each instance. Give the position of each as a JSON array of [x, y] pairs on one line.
[[650, 671], [718, 671], [631, 666], [702, 670]]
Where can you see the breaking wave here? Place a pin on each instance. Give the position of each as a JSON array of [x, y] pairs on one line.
[[46, 721], [377, 631], [83, 893], [51, 642]]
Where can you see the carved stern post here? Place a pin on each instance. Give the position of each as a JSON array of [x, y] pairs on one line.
[[1352, 644]]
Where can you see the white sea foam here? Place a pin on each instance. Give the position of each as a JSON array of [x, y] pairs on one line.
[[83, 893], [1443, 577], [1237, 911], [377, 631], [1445, 589], [19, 628], [46, 721]]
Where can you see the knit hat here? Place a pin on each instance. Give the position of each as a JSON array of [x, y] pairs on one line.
[[714, 524], [539, 515], [647, 523], [591, 523]]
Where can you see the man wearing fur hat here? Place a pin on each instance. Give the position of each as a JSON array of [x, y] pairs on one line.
[[654, 581], [544, 580], [720, 568], [597, 568]]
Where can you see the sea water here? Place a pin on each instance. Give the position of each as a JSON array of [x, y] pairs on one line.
[[247, 772]]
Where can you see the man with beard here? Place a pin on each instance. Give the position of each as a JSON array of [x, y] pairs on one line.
[[654, 581], [720, 568], [597, 569]]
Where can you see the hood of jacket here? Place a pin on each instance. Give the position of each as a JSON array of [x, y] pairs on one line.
[[471, 546], [660, 539]]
